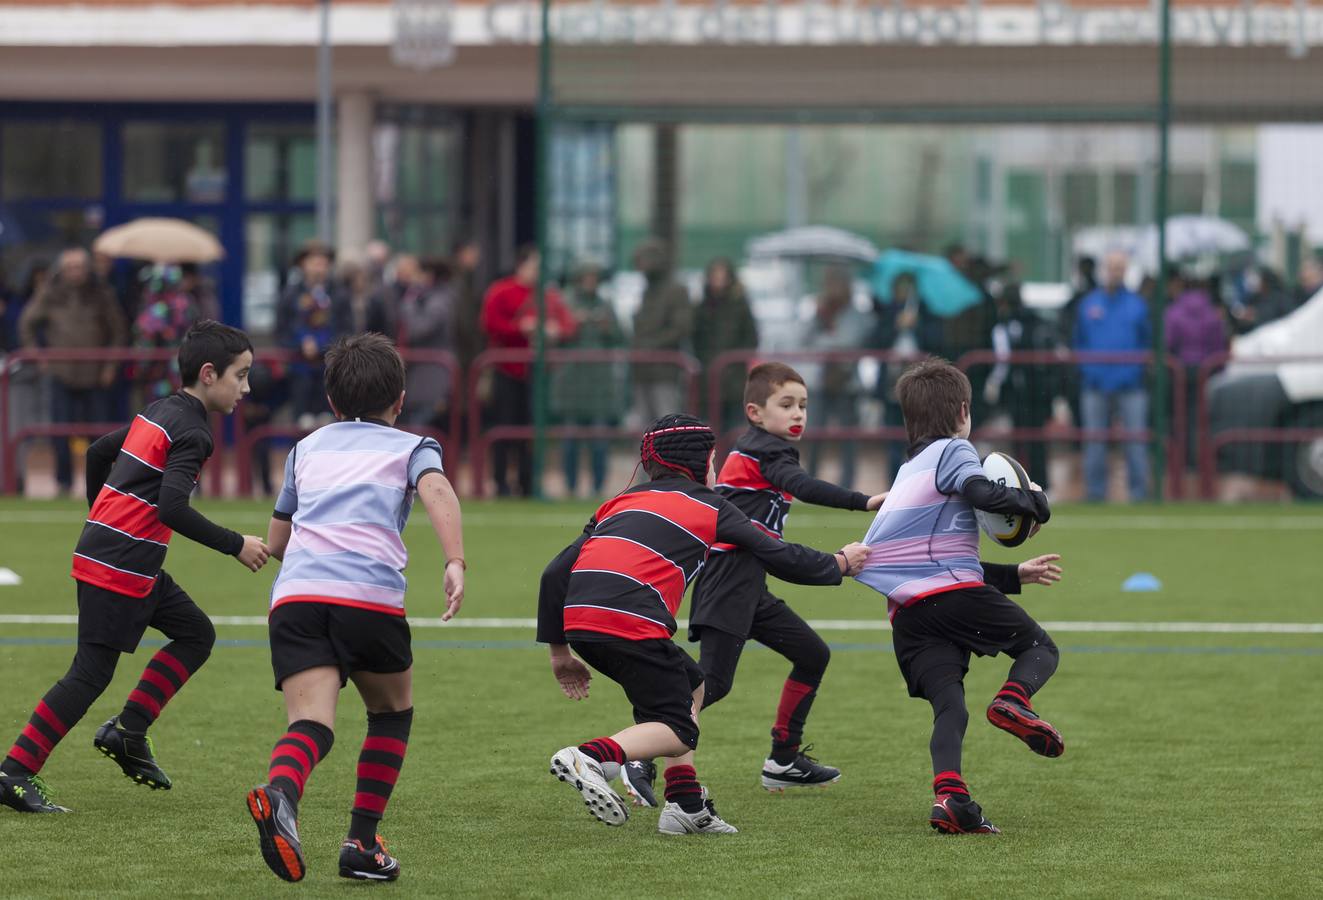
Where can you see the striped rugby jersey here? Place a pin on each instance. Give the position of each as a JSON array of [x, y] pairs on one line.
[[924, 540], [762, 477], [123, 544], [349, 487], [626, 574]]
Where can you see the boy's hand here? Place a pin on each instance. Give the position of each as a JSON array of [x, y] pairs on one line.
[[1040, 570], [571, 673], [454, 589], [856, 555], [875, 501], [254, 553]]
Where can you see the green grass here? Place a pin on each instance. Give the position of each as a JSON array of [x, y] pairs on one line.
[[1189, 772]]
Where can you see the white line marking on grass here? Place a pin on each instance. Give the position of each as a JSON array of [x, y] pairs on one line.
[[819, 624], [1067, 521]]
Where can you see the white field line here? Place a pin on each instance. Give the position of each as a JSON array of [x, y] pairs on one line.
[[819, 624], [573, 522]]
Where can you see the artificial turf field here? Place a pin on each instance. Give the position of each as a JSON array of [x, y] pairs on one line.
[[1190, 767]]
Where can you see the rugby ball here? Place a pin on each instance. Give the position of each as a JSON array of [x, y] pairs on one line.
[[1004, 528]]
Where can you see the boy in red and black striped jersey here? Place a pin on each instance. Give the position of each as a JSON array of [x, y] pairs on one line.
[[612, 595], [139, 480], [732, 604]]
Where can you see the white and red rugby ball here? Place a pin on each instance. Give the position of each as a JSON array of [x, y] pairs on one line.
[[1004, 528]]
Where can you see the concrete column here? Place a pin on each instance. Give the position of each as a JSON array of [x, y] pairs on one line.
[[353, 189]]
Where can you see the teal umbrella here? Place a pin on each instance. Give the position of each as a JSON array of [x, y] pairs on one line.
[[944, 291]]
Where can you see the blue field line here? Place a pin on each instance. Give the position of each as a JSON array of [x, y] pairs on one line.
[[844, 647]]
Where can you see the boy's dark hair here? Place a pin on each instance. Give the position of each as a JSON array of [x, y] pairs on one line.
[[208, 341], [930, 393], [764, 379], [677, 443], [364, 375]]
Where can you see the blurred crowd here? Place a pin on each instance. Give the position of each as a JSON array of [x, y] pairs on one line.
[[437, 303]]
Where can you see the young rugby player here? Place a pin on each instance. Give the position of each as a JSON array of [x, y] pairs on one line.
[[139, 480], [945, 604], [612, 596], [731, 602], [337, 606]]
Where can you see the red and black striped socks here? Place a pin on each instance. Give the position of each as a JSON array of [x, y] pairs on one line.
[[38, 738], [683, 789], [950, 783], [378, 769], [791, 713], [1016, 692], [164, 675], [296, 755], [604, 750]]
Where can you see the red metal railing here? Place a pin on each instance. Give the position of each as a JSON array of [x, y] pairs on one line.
[[480, 441], [10, 442], [747, 359], [1051, 358]]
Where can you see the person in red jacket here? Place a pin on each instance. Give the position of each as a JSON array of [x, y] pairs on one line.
[[509, 320]]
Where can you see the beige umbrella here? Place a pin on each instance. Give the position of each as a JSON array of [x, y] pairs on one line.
[[161, 241]]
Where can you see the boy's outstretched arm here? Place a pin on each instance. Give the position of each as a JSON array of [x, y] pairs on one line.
[[438, 498], [182, 465], [1008, 578], [570, 673], [789, 562], [101, 456], [785, 474]]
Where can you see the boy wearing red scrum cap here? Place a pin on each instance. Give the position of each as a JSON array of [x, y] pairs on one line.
[[612, 596]]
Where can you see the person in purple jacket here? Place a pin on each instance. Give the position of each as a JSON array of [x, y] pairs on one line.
[[1196, 331]]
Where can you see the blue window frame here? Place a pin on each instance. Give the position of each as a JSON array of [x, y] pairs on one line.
[[227, 213]]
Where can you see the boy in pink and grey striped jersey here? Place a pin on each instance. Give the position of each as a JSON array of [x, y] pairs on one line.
[[337, 607], [944, 604]]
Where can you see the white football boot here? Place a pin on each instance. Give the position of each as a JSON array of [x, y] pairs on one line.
[[675, 820], [585, 775]]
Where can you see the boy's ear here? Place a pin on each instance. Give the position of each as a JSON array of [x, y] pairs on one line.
[[208, 369], [335, 412], [399, 405], [752, 412]]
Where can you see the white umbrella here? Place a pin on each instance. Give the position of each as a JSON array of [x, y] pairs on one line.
[[1194, 236], [160, 241], [812, 241], [1188, 237]]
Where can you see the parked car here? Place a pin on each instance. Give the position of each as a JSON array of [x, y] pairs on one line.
[[1255, 394]]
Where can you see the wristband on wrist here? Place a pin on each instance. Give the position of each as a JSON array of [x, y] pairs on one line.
[[459, 559]]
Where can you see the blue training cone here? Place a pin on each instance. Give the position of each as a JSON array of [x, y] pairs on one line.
[[1141, 581]]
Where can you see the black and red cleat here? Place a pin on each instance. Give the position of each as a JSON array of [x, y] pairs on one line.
[[1024, 723], [953, 814], [277, 831]]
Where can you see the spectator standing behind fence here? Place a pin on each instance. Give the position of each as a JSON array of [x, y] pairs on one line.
[[312, 312], [75, 310], [1196, 330], [589, 394], [723, 321], [664, 321], [165, 315], [1311, 278], [1024, 392], [29, 394], [426, 323], [369, 309], [901, 326], [835, 386], [1113, 319], [465, 258], [509, 320]]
